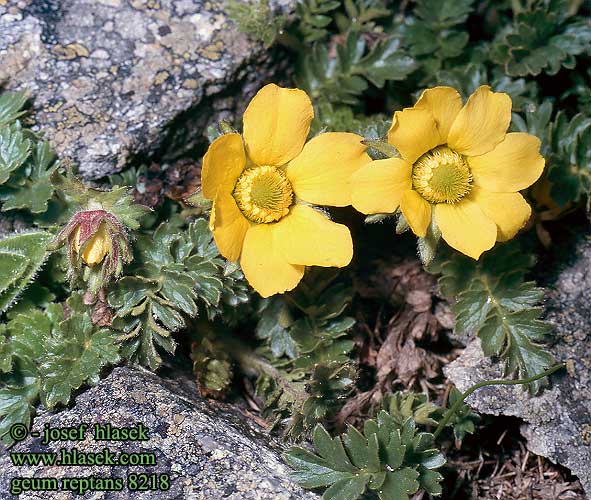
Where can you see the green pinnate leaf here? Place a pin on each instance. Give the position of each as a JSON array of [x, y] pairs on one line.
[[120, 203], [570, 170], [542, 38], [274, 328], [391, 458], [362, 16], [50, 357], [444, 13], [341, 80], [175, 275], [495, 303], [357, 448], [436, 31], [314, 17], [312, 471], [386, 62]]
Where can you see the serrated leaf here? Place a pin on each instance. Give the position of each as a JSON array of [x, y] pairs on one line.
[[17, 396], [377, 459], [331, 450], [435, 32], [14, 150], [74, 357], [346, 489], [273, 327], [175, 273], [430, 481], [30, 330], [14, 265], [542, 38], [395, 450], [357, 448], [35, 190], [385, 62], [512, 337], [29, 246], [570, 171], [343, 79], [11, 104], [399, 485], [313, 19], [311, 471], [494, 303]]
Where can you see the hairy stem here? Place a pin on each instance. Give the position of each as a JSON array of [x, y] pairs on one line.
[[450, 413]]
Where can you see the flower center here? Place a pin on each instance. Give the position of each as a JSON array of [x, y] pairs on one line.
[[441, 176], [263, 194]]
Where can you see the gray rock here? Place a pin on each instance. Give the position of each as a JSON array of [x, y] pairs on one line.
[[113, 79], [557, 423], [210, 450]]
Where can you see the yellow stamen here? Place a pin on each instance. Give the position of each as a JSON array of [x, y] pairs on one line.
[[441, 176], [263, 194]]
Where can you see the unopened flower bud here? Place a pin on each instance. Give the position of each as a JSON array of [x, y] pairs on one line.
[[97, 239]]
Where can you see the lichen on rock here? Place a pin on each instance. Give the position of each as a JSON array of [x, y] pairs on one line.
[[209, 449], [107, 78]]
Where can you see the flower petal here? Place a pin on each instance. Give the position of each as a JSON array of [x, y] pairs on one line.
[[229, 226], [321, 173], [308, 237], [444, 103], [376, 188], [464, 227], [264, 266], [276, 125], [515, 164], [509, 211], [222, 164], [416, 211], [413, 132], [482, 123]]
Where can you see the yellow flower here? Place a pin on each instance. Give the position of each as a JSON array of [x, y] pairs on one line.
[[458, 166], [96, 247], [263, 182]]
